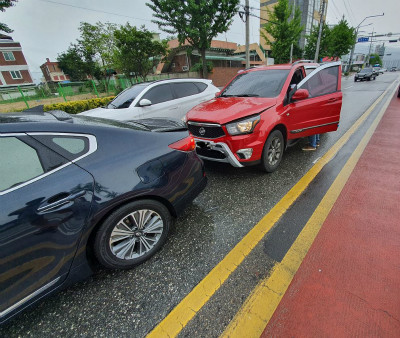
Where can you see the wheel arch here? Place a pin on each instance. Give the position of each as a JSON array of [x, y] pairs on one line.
[[282, 128]]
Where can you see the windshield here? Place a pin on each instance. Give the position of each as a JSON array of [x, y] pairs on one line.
[[263, 83], [366, 70], [125, 98]]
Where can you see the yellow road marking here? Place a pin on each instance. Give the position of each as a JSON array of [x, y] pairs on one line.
[[178, 318], [259, 307]]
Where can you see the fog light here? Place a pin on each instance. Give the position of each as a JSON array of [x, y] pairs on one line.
[[245, 154]]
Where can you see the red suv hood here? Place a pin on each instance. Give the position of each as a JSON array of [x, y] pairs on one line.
[[225, 109]]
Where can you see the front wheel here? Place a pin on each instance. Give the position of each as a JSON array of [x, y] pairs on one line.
[[132, 234], [273, 152]]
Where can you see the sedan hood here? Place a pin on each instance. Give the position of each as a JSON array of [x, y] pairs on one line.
[[225, 109]]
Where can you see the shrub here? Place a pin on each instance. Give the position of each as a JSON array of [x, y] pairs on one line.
[[76, 107]]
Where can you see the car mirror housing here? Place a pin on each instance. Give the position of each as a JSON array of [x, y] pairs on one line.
[[300, 94], [145, 103]]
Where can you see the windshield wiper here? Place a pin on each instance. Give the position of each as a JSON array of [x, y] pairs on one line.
[[247, 95]]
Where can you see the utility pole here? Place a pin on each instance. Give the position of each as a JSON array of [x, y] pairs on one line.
[[369, 51], [321, 24], [291, 46], [247, 14]]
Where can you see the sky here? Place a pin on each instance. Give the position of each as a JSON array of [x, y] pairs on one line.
[[46, 28]]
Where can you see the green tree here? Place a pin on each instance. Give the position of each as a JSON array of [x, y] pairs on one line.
[[282, 30], [197, 21], [311, 46], [341, 39], [98, 42], [136, 51], [77, 65], [3, 5], [375, 59]]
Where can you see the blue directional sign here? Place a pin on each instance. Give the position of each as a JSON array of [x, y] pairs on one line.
[[363, 40]]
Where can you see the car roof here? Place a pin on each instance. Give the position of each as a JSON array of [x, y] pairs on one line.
[[285, 66]]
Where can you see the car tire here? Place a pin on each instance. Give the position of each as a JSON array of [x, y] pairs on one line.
[[369, 79], [272, 152], [355, 80], [132, 234]]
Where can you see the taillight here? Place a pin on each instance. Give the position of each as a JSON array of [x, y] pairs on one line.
[[186, 144]]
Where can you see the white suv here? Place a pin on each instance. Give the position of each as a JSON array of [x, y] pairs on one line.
[[164, 98]]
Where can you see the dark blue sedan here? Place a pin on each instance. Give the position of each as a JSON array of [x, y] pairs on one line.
[[77, 191]]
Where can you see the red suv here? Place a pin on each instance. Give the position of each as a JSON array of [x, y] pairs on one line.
[[264, 109]]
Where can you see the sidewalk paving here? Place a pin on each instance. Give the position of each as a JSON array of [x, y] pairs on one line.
[[349, 282]]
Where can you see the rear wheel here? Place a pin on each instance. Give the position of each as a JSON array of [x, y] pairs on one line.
[[132, 234], [273, 151]]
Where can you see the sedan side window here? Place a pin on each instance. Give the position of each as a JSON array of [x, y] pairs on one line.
[[323, 82], [159, 94], [19, 162]]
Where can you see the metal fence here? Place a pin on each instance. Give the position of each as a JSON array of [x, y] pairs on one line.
[[27, 97]]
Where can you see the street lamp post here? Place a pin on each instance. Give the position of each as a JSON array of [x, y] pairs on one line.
[[352, 50]]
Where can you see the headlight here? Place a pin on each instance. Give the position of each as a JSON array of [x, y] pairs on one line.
[[244, 126]]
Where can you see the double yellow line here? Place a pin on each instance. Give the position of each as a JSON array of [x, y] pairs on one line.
[[282, 273]]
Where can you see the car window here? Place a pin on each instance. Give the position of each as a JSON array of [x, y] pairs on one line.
[[69, 146], [202, 86], [125, 98], [159, 94], [19, 162], [366, 70], [323, 82], [183, 89], [262, 83]]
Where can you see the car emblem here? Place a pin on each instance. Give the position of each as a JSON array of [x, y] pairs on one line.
[[202, 131]]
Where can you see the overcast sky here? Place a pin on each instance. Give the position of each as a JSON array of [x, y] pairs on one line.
[[46, 28]]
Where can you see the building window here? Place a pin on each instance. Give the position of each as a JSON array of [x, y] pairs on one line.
[[16, 74], [9, 56]]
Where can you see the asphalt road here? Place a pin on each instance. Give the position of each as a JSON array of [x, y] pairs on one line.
[[132, 303]]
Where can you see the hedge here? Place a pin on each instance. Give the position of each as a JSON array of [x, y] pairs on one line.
[[75, 107]]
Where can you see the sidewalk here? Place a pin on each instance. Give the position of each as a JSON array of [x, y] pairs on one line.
[[349, 282]]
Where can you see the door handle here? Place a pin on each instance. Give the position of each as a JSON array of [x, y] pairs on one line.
[[173, 108], [61, 201], [332, 99]]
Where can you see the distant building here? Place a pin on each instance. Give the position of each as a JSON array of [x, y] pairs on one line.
[[14, 70], [310, 16], [181, 58], [52, 72]]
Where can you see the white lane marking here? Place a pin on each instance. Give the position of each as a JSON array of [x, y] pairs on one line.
[[316, 160], [348, 87]]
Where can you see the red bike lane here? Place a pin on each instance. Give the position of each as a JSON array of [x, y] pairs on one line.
[[349, 282]]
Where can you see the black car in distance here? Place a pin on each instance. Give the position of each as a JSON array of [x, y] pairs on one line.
[[76, 190], [365, 74]]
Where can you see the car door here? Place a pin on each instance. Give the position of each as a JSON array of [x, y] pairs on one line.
[[188, 94], [163, 102], [45, 202], [320, 111]]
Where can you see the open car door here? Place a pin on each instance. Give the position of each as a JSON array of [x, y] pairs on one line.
[[317, 110]]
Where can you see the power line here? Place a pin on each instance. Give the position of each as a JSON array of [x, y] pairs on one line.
[[94, 10]]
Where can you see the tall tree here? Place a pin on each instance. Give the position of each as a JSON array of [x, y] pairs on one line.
[[136, 51], [341, 39], [283, 30], [335, 41], [197, 21], [3, 5], [77, 65], [311, 46], [98, 41]]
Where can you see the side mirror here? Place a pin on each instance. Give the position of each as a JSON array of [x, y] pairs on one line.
[[300, 94], [145, 103]]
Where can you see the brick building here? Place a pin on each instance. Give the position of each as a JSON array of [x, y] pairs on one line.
[[14, 70], [182, 57], [52, 72]]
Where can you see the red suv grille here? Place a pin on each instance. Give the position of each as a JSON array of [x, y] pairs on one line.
[[206, 130]]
